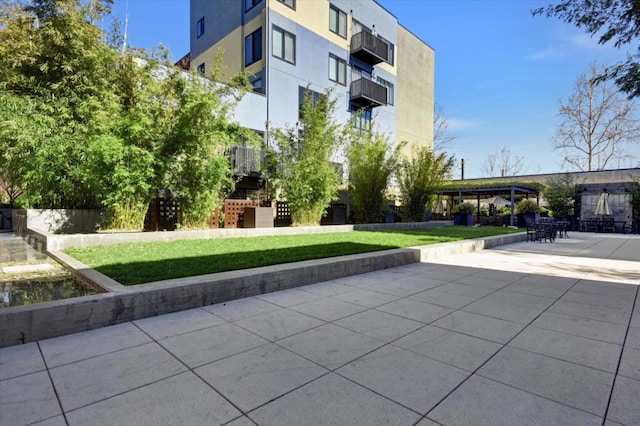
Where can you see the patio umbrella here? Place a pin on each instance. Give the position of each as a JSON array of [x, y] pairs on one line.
[[496, 201], [440, 207], [602, 208]]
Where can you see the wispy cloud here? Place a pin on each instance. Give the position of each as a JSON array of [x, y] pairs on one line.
[[462, 124], [566, 45], [547, 53]]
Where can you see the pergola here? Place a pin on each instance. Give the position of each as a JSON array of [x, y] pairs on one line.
[[485, 191]]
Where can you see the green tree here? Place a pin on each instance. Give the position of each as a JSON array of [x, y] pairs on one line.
[[372, 161], [419, 177], [53, 54], [560, 193], [305, 175], [201, 136], [110, 127], [613, 21], [19, 135]]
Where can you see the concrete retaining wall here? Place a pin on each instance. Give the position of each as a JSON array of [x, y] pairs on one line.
[[56, 221], [50, 319]]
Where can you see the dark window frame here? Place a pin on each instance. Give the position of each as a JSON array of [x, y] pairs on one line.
[[256, 48], [390, 89], [338, 60], [284, 32], [364, 119], [286, 3], [200, 27], [250, 4], [258, 88], [201, 69], [339, 12], [315, 97]]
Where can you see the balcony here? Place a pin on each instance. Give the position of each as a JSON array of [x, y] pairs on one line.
[[367, 93], [246, 161], [369, 48]]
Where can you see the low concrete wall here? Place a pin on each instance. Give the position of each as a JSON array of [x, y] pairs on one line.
[[68, 221], [50, 319]]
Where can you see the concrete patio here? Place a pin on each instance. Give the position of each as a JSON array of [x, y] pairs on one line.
[[524, 334]]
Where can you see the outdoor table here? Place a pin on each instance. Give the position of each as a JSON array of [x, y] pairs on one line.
[[620, 226]]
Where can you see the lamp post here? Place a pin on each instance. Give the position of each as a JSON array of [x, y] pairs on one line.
[[462, 169]]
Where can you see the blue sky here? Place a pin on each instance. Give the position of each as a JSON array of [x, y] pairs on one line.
[[500, 72]]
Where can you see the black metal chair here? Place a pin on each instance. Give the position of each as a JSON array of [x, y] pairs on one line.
[[592, 225], [545, 231], [608, 224]]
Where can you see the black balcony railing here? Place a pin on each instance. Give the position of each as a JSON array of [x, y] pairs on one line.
[[369, 48], [367, 93], [246, 161]]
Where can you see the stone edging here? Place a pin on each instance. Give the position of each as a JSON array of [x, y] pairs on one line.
[[30, 323]]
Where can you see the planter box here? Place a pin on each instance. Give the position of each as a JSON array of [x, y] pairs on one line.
[[523, 218], [258, 217], [464, 219]]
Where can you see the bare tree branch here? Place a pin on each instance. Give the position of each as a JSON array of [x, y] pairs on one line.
[[596, 124], [441, 137], [502, 163]]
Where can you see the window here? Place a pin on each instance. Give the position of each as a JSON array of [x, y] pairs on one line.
[[200, 27], [315, 97], [253, 47], [362, 118], [284, 45], [201, 69], [258, 86], [389, 87], [290, 3], [391, 53], [358, 73], [337, 69], [248, 4], [337, 21]]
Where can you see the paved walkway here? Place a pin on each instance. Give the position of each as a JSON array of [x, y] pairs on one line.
[[527, 334]]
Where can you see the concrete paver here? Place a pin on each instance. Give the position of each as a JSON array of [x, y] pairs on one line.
[[453, 348], [180, 399], [624, 408], [580, 387], [253, 378], [334, 400], [406, 377], [331, 346], [524, 334], [484, 402]]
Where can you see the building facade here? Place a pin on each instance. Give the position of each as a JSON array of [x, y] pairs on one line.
[[356, 48]]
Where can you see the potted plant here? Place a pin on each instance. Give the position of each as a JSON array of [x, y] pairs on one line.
[[527, 211], [463, 214]]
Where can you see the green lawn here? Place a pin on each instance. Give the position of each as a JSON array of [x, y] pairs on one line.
[[138, 263]]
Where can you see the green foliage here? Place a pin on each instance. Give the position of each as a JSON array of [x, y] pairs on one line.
[[611, 21], [420, 175], [465, 207], [372, 161], [305, 175], [103, 128], [635, 199], [53, 57], [527, 206], [560, 193], [200, 138]]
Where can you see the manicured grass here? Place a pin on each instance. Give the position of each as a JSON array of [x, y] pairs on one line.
[[137, 263]]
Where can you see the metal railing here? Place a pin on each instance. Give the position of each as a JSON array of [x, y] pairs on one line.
[[369, 47], [365, 92]]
